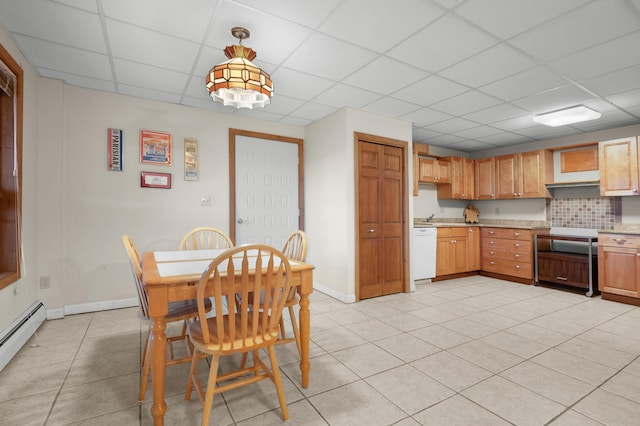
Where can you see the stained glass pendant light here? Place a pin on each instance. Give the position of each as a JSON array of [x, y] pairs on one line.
[[238, 82]]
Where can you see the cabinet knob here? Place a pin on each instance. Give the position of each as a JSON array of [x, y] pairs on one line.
[[371, 230], [492, 263], [517, 256], [517, 245], [492, 242], [518, 266], [516, 234], [493, 252], [492, 232], [620, 240]]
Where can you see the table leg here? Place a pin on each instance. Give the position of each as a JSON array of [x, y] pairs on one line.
[[158, 367], [305, 322]]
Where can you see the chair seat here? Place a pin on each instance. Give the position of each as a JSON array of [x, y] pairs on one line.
[[228, 346]]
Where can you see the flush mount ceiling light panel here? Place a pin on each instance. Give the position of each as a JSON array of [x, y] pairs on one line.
[[566, 116], [238, 82]]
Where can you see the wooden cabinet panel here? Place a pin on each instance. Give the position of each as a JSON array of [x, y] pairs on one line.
[[485, 179], [474, 256], [432, 170], [510, 233], [462, 186], [452, 250], [619, 173], [619, 265], [568, 269], [508, 267], [523, 175]]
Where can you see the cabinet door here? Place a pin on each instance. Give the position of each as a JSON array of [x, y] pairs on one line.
[[468, 177], [460, 253], [619, 270], [506, 176], [444, 259], [618, 167], [459, 177], [474, 259], [534, 167], [485, 178], [427, 170], [444, 171]]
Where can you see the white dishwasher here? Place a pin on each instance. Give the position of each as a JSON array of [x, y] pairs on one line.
[[423, 253]]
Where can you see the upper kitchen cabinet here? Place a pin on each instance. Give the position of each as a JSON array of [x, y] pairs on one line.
[[523, 175], [618, 160], [433, 170], [462, 186], [485, 171]]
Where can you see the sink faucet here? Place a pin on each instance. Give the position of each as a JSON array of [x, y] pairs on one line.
[[430, 218]]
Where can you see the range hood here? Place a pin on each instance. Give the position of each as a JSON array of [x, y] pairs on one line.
[[578, 184]]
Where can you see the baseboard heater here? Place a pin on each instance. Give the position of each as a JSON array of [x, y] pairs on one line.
[[19, 331]]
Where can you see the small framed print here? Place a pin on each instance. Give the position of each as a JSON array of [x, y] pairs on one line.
[[155, 148], [155, 180], [190, 159]]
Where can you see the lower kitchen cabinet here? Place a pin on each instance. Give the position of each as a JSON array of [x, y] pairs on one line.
[[508, 251], [452, 250], [619, 267]]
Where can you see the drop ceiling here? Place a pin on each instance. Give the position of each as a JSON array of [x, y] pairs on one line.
[[469, 75]]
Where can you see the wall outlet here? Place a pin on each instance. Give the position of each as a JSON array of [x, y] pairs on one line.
[[45, 282], [205, 200]]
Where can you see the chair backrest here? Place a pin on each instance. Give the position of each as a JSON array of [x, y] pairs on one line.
[[255, 268], [205, 238], [136, 268], [296, 246]]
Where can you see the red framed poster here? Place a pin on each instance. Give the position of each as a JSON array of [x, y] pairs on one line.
[[155, 148], [155, 180]]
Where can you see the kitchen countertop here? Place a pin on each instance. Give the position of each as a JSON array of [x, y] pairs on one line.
[[494, 223]]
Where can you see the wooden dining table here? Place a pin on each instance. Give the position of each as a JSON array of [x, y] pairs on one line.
[[173, 275]]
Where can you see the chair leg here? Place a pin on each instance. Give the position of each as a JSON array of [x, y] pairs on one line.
[[243, 361], [146, 346], [296, 329], [146, 368], [275, 371], [211, 387], [192, 372]]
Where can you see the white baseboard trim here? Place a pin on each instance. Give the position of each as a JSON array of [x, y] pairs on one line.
[[83, 308], [331, 292]]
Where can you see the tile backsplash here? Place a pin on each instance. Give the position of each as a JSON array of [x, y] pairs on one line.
[[585, 212]]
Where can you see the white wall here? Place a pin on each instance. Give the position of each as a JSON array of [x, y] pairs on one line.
[[16, 298], [330, 176], [85, 209]]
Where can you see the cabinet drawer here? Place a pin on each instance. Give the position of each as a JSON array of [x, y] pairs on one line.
[[619, 240], [568, 269], [508, 267], [518, 255], [516, 234], [501, 244], [453, 231]]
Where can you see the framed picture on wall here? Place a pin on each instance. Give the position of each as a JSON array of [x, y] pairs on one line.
[[155, 148], [155, 180], [114, 150], [190, 159]]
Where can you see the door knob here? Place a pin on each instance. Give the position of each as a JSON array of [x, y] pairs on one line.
[[240, 220]]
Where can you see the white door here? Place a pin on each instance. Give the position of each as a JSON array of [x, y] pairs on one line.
[[266, 191]]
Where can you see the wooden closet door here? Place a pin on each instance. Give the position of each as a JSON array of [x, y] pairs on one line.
[[380, 221]]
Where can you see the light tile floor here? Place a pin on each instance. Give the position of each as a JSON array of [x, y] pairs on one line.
[[470, 351]]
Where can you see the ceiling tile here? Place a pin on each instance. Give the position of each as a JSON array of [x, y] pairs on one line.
[[430, 90], [197, 88], [526, 83], [89, 6], [298, 85], [452, 125], [360, 22], [421, 134], [391, 107], [204, 104], [148, 77], [493, 64], [441, 44], [554, 99], [508, 18], [312, 14], [501, 138], [256, 114], [342, 95], [312, 111], [496, 113], [425, 116], [465, 103], [478, 132], [140, 92], [385, 76], [470, 145], [627, 99], [609, 119], [612, 56], [445, 140], [80, 81], [149, 47], [273, 38], [295, 121], [187, 20], [311, 56], [582, 29], [284, 105], [615, 82], [66, 59], [55, 23], [517, 123], [546, 132]]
